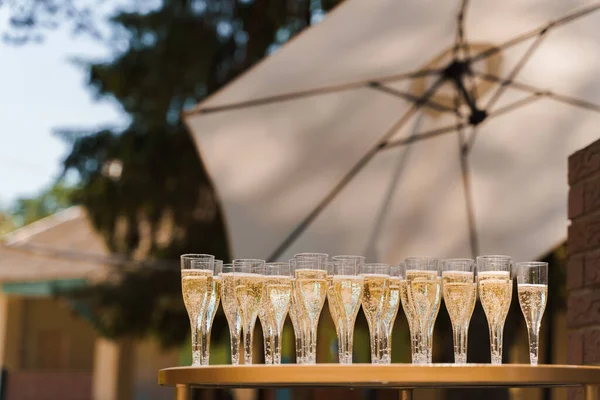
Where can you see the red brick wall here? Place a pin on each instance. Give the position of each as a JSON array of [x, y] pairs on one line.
[[583, 268], [48, 385]]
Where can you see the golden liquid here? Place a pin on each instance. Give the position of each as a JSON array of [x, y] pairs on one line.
[[391, 303], [406, 304], [213, 302], [460, 293], [425, 294], [228, 299], [532, 299], [294, 310], [311, 291], [374, 292], [249, 291], [495, 293], [195, 287], [276, 300], [347, 296], [335, 315]]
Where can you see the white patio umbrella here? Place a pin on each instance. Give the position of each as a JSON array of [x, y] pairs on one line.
[[408, 127]]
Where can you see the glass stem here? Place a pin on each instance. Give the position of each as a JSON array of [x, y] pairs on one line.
[[311, 357], [235, 345], [534, 336], [205, 347], [196, 351], [277, 346], [460, 344], [248, 330], [345, 344], [373, 338], [496, 334]]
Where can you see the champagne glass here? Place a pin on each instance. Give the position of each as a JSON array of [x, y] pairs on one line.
[[409, 311], [347, 290], [311, 291], [532, 287], [249, 283], [376, 284], [211, 308], [460, 292], [276, 303], [424, 284], [330, 300], [266, 325], [196, 285], [232, 312], [388, 316], [495, 293], [297, 321]]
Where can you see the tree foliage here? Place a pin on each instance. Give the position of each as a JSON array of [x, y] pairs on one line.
[[144, 186]]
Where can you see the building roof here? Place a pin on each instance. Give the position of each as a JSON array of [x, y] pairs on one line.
[[61, 246]]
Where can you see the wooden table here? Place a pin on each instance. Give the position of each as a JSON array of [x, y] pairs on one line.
[[404, 377]]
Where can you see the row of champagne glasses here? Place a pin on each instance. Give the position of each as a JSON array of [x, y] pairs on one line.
[[251, 289]]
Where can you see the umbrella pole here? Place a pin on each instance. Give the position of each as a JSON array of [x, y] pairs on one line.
[[407, 394]]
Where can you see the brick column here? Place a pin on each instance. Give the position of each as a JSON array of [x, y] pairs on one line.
[[583, 267]]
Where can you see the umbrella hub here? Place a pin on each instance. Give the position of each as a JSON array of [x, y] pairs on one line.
[[456, 72]]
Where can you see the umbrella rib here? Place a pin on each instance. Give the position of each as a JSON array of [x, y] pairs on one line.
[[451, 128], [460, 30], [553, 24], [552, 95], [503, 110], [364, 160], [309, 93], [516, 70], [410, 97], [423, 136]]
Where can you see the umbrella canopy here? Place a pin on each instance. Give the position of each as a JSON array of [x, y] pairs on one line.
[[408, 127]]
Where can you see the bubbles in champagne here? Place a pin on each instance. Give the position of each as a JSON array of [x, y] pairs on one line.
[[533, 298], [277, 296], [213, 302], [311, 290], [495, 292], [391, 304], [228, 299], [195, 287], [375, 287], [248, 291], [459, 296], [347, 296], [332, 304]]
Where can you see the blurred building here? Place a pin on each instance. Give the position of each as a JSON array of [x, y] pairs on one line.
[[48, 350]]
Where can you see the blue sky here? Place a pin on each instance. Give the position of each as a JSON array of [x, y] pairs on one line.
[[42, 90]]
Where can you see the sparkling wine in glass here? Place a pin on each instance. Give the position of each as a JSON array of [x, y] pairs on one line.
[[249, 284], [388, 315], [424, 294], [196, 286], [330, 300], [310, 290], [532, 287], [276, 303], [376, 285], [495, 293], [409, 312], [347, 290], [297, 322], [232, 312], [460, 292], [212, 305]]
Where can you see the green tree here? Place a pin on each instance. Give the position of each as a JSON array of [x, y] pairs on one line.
[[56, 197], [144, 186], [6, 223]]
